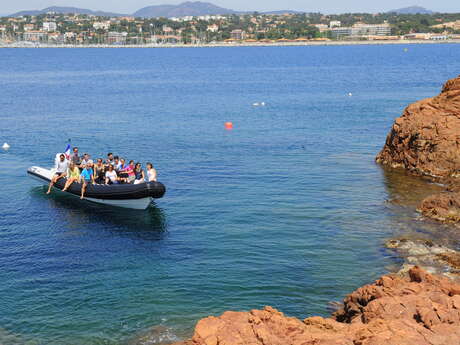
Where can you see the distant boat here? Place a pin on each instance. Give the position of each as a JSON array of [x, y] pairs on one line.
[[134, 196]]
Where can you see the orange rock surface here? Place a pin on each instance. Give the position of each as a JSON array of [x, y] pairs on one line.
[[426, 138], [426, 141], [416, 309]]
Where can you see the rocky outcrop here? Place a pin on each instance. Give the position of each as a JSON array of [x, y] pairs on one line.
[[417, 308], [426, 138]]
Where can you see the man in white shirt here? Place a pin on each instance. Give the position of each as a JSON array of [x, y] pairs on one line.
[[86, 160], [61, 171]]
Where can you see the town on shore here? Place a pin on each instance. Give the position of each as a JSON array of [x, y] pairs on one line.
[[73, 29]]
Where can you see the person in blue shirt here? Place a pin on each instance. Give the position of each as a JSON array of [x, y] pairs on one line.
[[86, 177]]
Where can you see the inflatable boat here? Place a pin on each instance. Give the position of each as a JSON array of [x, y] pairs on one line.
[[135, 196]]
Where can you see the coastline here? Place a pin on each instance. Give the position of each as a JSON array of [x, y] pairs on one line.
[[227, 45]]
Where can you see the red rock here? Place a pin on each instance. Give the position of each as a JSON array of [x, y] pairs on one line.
[[416, 309], [425, 140], [444, 207]]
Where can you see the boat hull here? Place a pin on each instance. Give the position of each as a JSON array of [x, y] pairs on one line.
[[131, 196]]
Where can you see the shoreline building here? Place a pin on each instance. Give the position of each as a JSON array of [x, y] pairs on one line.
[[35, 36], [116, 37], [238, 35], [49, 26], [361, 30]]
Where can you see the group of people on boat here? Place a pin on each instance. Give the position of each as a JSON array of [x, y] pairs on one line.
[[112, 170]]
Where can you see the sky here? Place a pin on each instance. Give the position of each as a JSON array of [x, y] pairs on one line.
[[324, 6]]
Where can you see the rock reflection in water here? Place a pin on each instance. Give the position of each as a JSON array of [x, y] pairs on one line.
[[405, 194]]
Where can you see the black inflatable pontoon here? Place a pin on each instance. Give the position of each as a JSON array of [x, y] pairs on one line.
[[137, 196]]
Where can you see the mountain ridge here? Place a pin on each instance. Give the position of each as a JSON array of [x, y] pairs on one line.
[[66, 9], [188, 8], [412, 10]]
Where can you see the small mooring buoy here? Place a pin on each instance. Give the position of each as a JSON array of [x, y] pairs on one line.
[[5, 146], [228, 126], [350, 94]]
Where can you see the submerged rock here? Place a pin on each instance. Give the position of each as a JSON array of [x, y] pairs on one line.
[[416, 308], [444, 207], [156, 335], [432, 257]]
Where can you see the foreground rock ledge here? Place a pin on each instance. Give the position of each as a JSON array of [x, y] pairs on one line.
[[415, 309]]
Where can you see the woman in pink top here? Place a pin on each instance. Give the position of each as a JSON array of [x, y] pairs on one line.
[[129, 170]]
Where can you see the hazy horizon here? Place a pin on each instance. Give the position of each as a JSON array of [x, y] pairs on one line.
[[327, 6]]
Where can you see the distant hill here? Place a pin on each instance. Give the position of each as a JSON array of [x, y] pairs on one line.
[[188, 8], [66, 10], [283, 12], [412, 10]]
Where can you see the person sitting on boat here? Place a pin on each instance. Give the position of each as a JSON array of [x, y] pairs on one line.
[[111, 176], [109, 160], [75, 158], [121, 170], [86, 177], [151, 173], [116, 163], [73, 175], [139, 174], [86, 160], [61, 166], [129, 171], [99, 172]]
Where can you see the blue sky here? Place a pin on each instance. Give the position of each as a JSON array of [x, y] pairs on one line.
[[325, 6]]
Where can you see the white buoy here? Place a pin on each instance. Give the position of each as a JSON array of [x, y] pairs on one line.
[[263, 104], [350, 94], [5, 146]]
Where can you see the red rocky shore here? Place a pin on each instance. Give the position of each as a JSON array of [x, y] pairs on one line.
[[425, 140], [416, 308], [411, 308]]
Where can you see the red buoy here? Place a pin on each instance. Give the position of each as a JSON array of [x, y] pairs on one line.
[[228, 125]]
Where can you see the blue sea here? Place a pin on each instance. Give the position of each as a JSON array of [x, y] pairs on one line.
[[288, 209]]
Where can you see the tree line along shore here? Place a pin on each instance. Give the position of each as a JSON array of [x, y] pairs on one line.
[[81, 29]]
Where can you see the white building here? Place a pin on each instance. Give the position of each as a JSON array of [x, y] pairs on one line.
[[322, 27], [101, 25], [335, 23], [35, 36], [117, 37], [29, 27], [213, 28], [238, 35], [49, 26], [360, 30]]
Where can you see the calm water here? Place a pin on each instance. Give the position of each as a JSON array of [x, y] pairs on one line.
[[287, 210]]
